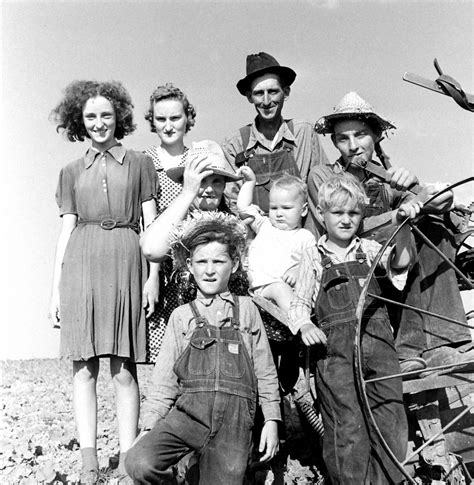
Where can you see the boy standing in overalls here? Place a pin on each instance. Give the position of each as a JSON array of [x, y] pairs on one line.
[[330, 280], [214, 362]]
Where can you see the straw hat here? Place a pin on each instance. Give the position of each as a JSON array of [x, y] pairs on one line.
[[201, 222], [211, 151], [260, 64], [351, 106]]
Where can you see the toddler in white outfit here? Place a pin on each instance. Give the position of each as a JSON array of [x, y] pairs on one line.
[[276, 251]]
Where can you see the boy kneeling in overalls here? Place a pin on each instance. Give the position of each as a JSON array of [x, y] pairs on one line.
[[214, 361], [331, 277]]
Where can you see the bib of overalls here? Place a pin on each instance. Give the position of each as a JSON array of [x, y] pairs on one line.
[[379, 202], [216, 359], [268, 167], [341, 287]]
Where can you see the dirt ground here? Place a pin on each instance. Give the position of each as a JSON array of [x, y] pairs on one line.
[[39, 444]]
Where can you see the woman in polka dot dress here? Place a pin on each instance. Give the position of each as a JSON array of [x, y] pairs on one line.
[[171, 116]]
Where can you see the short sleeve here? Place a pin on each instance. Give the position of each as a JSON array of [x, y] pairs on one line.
[[65, 192], [149, 180]]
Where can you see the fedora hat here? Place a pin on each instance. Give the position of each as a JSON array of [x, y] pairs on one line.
[[350, 107], [262, 63], [212, 152]]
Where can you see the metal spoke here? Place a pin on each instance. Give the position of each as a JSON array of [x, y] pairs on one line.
[[420, 310]]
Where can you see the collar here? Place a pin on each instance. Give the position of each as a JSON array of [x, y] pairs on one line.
[[322, 245], [225, 296], [283, 133], [117, 152]]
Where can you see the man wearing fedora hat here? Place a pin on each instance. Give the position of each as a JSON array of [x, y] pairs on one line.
[[271, 145], [356, 131]]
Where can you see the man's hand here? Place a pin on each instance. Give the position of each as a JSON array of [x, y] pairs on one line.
[[290, 276], [312, 335], [401, 178], [269, 442], [442, 203], [408, 210]]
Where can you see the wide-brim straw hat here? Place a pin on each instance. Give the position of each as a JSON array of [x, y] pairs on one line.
[[260, 64], [202, 222], [213, 153], [350, 107]]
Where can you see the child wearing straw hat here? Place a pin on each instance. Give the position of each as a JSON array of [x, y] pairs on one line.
[[214, 362]]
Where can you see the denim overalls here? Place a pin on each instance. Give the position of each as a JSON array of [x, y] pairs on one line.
[[267, 166], [214, 414], [347, 446]]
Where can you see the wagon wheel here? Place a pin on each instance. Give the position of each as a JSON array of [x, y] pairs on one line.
[[361, 383]]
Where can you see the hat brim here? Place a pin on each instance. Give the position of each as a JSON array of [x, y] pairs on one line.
[[286, 73], [325, 125], [176, 174]]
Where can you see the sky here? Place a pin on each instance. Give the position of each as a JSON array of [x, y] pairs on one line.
[[335, 46]]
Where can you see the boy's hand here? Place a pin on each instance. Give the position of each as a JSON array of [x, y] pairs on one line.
[[312, 335], [409, 210], [247, 174], [269, 442], [291, 275], [196, 169]]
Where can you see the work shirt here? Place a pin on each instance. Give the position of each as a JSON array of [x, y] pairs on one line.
[[307, 152], [308, 282], [181, 325]]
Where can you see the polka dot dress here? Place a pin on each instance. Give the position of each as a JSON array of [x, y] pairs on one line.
[[169, 288]]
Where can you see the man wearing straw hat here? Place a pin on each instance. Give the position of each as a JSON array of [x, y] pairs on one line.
[[271, 145], [356, 131]]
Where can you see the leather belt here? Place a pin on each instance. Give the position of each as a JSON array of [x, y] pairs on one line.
[[109, 224]]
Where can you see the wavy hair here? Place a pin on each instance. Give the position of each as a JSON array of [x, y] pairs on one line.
[[340, 190], [169, 91], [68, 113]]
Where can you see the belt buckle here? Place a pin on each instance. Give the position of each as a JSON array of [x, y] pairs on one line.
[[108, 224]]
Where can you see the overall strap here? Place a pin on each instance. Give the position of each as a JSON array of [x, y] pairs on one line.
[[360, 256], [290, 125], [194, 309], [245, 135], [326, 261], [236, 311]]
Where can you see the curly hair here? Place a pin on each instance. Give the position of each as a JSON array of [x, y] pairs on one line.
[[68, 113], [168, 91]]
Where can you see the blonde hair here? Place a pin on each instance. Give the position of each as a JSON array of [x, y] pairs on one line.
[[340, 190], [288, 182]]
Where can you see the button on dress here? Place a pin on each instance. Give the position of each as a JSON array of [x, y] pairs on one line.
[[103, 271]]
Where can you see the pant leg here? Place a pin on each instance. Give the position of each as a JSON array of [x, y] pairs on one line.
[[346, 443], [224, 459], [385, 400], [172, 438], [433, 286]]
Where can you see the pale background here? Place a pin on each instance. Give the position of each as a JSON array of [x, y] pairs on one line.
[[334, 46]]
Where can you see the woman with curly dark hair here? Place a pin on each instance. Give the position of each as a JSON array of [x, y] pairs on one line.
[[100, 287], [171, 116]]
